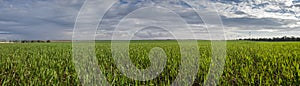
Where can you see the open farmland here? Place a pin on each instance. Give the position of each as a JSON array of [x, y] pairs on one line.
[[247, 63]]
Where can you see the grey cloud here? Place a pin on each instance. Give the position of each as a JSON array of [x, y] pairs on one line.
[[39, 19], [153, 32], [250, 22], [54, 19]]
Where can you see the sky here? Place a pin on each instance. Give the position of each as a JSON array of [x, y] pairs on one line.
[[55, 19]]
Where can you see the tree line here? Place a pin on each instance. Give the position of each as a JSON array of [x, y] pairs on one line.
[[284, 38], [28, 41]]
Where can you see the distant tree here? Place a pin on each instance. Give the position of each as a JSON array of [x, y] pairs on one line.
[[48, 41], [284, 38], [25, 41]]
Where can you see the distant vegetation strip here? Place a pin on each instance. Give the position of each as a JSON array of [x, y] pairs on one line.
[[285, 38]]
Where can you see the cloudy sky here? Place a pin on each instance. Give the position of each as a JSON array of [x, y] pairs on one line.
[[55, 19]]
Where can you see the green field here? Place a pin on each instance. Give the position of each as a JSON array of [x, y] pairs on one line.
[[247, 63]]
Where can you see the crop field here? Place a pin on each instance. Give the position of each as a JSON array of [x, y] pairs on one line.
[[247, 63]]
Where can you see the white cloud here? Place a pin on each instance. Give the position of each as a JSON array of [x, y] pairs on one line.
[[54, 19]]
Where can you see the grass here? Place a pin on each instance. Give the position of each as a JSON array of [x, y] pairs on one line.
[[247, 63]]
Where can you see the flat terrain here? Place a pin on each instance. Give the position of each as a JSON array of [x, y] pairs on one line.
[[247, 63]]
